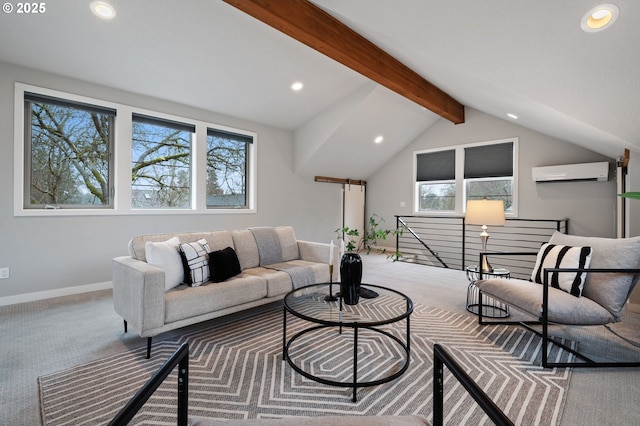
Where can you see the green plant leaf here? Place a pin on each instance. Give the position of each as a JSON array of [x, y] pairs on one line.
[[354, 242], [634, 195]]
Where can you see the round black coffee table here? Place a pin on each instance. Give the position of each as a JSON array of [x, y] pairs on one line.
[[368, 317]]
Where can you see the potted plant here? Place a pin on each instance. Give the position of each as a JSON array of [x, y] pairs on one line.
[[351, 262]]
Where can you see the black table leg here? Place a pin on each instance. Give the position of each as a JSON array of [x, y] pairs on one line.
[[355, 362], [284, 332]]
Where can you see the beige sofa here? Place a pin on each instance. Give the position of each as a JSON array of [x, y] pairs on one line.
[[148, 285]]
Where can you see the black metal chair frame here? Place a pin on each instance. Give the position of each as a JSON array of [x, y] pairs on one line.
[[544, 321], [441, 358]]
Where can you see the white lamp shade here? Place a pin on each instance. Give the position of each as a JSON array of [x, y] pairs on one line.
[[485, 212]]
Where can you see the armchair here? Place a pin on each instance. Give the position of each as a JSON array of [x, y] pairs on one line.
[[592, 291]]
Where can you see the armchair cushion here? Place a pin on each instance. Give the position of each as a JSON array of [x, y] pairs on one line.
[[559, 256], [563, 307], [611, 290]]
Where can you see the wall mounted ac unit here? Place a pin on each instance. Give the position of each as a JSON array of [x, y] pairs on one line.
[[572, 172]]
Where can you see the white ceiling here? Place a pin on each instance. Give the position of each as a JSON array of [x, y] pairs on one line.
[[526, 57]]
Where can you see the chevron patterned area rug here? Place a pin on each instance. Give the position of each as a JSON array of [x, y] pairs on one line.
[[236, 371]]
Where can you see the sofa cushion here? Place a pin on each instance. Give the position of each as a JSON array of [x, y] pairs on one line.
[[288, 243], [268, 245], [320, 270], [186, 302], [246, 249], [609, 290], [278, 282], [223, 264], [217, 240], [558, 256], [563, 307], [195, 262], [165, 255]]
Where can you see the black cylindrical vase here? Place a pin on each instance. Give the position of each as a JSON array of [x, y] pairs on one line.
[[350, 278]]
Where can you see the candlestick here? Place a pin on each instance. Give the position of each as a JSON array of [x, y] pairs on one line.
[[331, 254], [330, 297]]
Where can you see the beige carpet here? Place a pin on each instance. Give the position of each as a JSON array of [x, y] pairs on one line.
[[237, 372], [44, 337]]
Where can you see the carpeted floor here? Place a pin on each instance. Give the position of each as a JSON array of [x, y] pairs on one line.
[[237, 372], [44, 337]]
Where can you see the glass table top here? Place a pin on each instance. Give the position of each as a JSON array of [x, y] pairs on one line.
[[308, 303]]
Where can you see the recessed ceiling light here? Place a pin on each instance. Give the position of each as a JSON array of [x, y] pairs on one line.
[[297, 86], [378, 139], [515, 117], [103, 9], [599, 18]]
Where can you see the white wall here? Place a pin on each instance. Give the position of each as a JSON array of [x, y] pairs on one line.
[[590, 206], [47, 254]]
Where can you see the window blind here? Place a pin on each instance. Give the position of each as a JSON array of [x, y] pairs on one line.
[[215, 133], [488, 161], [155, 121], [439, 165], [44, 99]]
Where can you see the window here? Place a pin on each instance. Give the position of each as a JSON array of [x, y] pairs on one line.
[[435, 175], [488, 173], [76, 155], [68, 148], [227, 156], [491, 189], [161, 163], [446, 179]]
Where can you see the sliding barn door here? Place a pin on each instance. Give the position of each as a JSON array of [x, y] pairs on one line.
[[353, 204]]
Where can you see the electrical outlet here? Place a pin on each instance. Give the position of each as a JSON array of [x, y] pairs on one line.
[[4, 273]]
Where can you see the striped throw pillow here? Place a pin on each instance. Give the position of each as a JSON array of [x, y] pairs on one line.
[[559, 256], [195, 260]]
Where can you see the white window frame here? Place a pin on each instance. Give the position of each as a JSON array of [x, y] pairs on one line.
[[461, 193], [122, 161]]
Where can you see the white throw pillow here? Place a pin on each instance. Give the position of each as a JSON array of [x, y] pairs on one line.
[[560, 256], [166, 256]]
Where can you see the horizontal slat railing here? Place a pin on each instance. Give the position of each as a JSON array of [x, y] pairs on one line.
[[449, 242]]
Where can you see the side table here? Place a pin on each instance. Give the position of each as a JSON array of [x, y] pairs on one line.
[[491, 308]]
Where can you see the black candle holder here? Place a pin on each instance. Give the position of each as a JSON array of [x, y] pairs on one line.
[[330, 297]]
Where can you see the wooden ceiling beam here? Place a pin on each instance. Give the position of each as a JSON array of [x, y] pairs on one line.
[[314, 27]]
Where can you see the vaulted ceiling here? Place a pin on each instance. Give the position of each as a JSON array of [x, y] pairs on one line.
[[528, 58]]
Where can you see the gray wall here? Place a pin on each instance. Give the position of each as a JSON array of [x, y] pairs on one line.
[[52, 253], [590, 206], [49, 253]]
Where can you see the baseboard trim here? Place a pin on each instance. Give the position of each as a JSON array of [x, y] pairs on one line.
[[49, 294]]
